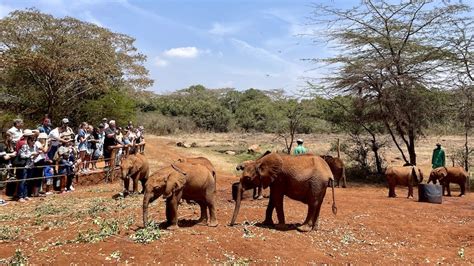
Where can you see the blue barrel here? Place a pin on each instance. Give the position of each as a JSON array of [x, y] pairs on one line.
[[430, 193]]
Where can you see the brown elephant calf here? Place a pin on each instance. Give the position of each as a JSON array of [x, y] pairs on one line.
[[202, 161], [447, 175], [182, 181], [136, 167], [402, 176], [337, 168]]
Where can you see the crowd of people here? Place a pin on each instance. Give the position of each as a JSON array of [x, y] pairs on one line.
[[36, 158]]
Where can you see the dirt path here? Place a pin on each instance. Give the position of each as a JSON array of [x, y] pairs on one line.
[[369, 227]]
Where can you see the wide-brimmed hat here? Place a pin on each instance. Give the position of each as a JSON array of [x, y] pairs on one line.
[[27, 133], [42, 135], [63, 150], [65, 120], [299, 140]]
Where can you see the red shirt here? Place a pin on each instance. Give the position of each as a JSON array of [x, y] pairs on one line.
[[19, 144]]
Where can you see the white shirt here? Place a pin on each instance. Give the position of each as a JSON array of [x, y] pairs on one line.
[[39, 149], [54, 136], [16, 133]]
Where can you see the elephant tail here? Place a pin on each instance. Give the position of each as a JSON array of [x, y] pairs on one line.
[[334, 208]]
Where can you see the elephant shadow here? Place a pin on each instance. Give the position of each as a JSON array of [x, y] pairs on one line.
[[163, 225], [289, 227]]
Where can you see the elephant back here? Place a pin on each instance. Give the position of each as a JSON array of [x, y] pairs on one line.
[[305, 167]]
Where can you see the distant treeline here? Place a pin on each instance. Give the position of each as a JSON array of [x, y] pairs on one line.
[[222, 110]]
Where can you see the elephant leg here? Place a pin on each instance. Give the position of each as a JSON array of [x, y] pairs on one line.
[[143, 182], [269, 212], [212, 212], [172, 211], [278, 203], [448, 189], [391, 191], [307, 224], [203, 207], [126, 185], [463, 188], [410, 191], [344, 182], [135, 184]]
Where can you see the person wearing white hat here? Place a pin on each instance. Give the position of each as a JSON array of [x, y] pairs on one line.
[[300, 149], [42, 147]]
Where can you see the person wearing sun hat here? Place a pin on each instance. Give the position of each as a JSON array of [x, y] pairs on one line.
[[438, 159], [28, 153], [39, 162], [300, 149]]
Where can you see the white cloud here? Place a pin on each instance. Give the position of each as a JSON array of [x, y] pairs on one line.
[[182, 52], [160, 62], [221, 29]]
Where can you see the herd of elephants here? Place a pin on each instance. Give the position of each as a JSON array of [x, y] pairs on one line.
[[304, 178]]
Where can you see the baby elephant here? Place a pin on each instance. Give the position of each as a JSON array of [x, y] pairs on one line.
[[447, 175], [402, 176], [182, 181], [135, 167]]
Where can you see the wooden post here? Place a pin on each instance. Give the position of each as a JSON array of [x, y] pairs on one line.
[[338, 149]]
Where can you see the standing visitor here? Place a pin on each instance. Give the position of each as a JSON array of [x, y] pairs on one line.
[[105, 123], [41, 146], [300, 149], [57, 138], [82, 137], [6, 154], [16, 131], [438, 158], [45, 126], [27, 153], [109, 141]]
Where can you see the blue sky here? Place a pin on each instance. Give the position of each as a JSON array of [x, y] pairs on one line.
[[239, 44]]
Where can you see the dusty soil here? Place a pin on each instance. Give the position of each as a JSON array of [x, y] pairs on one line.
[[88, 226]]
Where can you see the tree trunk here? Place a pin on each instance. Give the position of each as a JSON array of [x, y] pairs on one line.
[[411, 147], [466, 157]]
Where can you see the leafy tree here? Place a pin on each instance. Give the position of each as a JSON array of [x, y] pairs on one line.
[[115, 104], [391, 55], [50, 65]]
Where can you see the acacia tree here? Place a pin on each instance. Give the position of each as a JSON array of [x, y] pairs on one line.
[[50, 65], [462, 48], [392, 54]]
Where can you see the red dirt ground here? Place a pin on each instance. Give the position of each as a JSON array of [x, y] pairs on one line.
[[369, 228]]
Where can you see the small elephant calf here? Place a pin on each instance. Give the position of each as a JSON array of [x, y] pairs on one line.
[[403, 176], [135, 167], [447, 175], [182, 181]]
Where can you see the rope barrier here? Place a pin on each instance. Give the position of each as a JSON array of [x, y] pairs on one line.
[[14, 179], [44, 166]]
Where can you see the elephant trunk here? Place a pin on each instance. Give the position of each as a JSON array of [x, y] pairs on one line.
[[146, 202], [240, 190], [334, 208]]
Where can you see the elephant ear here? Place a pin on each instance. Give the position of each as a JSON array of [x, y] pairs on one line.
[[268, 168], [415, 175], [174, 182]]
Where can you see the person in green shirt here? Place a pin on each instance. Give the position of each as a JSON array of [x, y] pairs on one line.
[[300, 149], [438, 159]]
